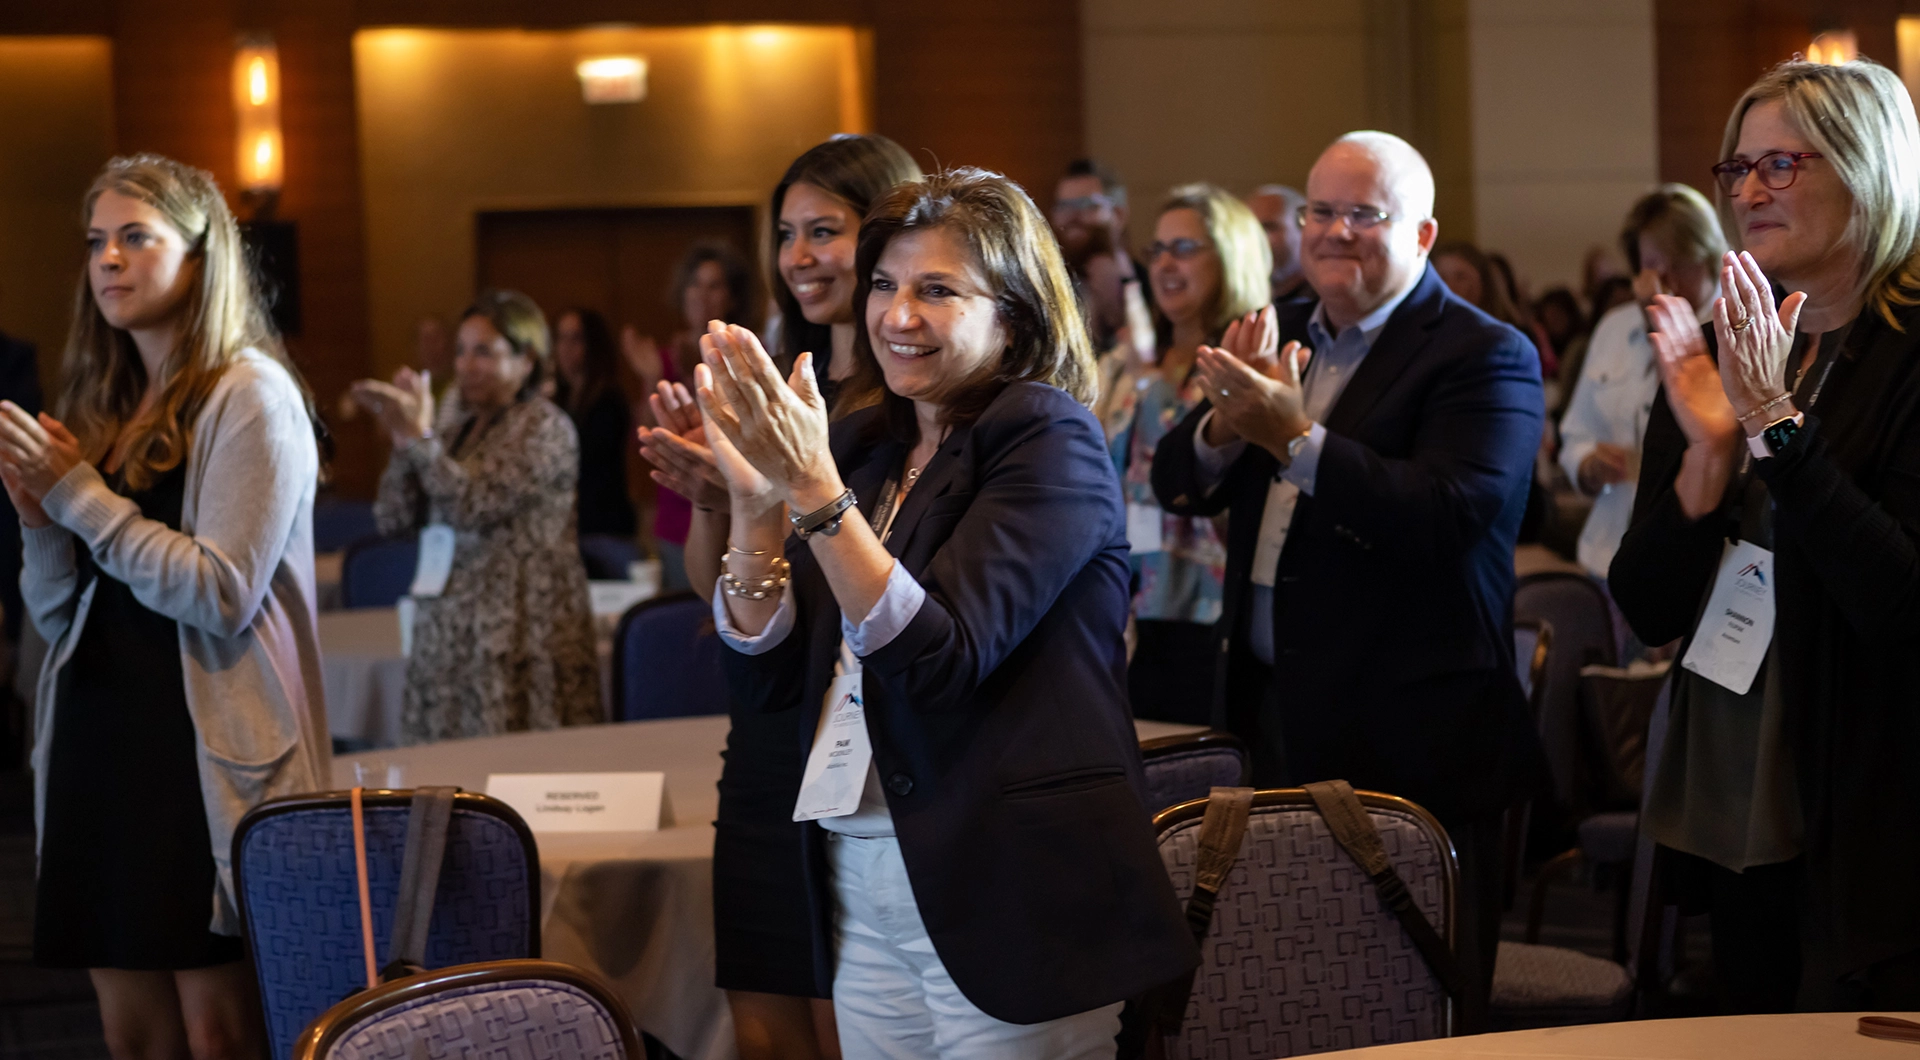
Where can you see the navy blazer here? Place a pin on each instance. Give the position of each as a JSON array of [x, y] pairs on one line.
[[999, 715], [1393, 597]]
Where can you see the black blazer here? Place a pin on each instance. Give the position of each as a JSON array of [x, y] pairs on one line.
[[999, 715], [1393, 598], [1846, 530]]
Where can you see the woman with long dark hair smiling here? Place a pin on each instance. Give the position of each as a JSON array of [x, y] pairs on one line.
[[937, 586]]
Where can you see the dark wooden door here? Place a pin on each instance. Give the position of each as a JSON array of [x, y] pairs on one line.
[[617, 261]]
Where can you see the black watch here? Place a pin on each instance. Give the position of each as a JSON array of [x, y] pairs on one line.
[[1775, 436]]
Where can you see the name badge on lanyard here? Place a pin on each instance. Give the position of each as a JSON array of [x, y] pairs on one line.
[[1737, 625], [436, 561], [837, 766]]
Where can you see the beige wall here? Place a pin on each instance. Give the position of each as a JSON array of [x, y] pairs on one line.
[[56, 130], [1537, 115], [1564, 128], [455, 122]]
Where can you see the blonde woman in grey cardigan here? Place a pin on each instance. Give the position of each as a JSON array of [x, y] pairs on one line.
[[169, 564]]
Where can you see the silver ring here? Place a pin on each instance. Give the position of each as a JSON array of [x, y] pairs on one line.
[[1223, 391], [1742, 324]]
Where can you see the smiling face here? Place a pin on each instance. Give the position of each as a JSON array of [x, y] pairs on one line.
[[1183, 289], [1081, 205], [1357, 271], [138, 264], [817, 234], [489, 372], [706, 296], [931, 315], [1797, 232]]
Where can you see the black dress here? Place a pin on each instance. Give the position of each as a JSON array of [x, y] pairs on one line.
[[762, 922], [126, 861]]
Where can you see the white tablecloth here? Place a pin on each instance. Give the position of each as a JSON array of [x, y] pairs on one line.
[[1798, 1036], [636, 907], [364, 673]]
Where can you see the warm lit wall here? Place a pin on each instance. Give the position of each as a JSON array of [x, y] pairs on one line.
[[56, 129], [455, 122], [1247, 92], [1564, 130]]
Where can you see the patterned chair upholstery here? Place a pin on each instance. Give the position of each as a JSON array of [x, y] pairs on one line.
[[502, 1010], [1301, 957], [300, 903], [378, 571], [666, 660], [1187, 766]]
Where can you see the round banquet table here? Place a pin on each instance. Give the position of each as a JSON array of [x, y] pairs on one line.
[[636, 907], [1794, 1036]]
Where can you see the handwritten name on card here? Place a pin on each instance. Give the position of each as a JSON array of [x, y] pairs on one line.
[[585, 802]]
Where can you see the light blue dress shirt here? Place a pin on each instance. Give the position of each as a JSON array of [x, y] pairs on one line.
[[1335, 360]]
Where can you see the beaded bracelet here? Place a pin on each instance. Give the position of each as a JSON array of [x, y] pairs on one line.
[[758, 588]]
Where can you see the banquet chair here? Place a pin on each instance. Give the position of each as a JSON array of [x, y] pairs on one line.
[[299, 904], [1187, 765], [339, 522], [378, 571], [510, 1010], [666, 660], [1301, 956], [607, 557], [1583, 635], [1532, 648]]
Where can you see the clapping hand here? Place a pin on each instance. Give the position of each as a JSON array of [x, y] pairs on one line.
[[404, 407], [36, 452], [1756, 337], [779, 426], [1256, 392], [683, 461], [1692, 382]]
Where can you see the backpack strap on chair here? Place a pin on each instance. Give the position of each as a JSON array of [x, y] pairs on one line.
[[428, 820], [1221, 831], [1353, 829]]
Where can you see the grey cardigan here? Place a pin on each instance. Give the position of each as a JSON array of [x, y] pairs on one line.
[[237, 576]]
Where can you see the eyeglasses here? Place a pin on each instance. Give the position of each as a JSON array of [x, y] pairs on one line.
[[1182, 249], [1083, 204], [1777, 169], [1358, 218]]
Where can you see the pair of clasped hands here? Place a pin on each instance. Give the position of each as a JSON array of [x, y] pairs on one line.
[[743, 435], [1255, 387], [1716, 405], [36, 452]]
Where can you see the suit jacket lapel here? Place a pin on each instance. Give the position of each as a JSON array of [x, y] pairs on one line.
[[1405, 333], [937, 479]]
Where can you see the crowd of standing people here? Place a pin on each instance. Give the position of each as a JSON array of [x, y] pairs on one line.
[[994, 486]]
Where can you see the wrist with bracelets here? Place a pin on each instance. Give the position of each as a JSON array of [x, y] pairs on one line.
[[1765, 407], [756, 587]]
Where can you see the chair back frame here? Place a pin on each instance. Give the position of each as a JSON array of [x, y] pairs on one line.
[[379, 798], [1297, 798], [318, 1040], [620, 706]]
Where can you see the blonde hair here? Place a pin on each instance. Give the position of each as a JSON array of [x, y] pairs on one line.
[[221, 315], [1860, 118], [1246, 259], [1681, 219], [519, 320]]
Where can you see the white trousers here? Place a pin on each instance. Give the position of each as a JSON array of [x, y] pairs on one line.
[[893, 998]]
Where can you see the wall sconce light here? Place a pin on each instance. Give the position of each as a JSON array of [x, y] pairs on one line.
[[1834, 47], [256, 111], [613, 79]]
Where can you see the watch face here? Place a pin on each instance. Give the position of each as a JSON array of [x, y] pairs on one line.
[[1780, 435]]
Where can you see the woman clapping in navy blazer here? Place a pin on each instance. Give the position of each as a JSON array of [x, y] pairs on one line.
[[956, 572]]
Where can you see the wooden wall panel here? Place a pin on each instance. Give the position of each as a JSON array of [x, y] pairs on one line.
[[993, 83]]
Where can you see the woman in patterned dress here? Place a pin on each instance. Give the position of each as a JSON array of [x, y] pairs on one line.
[[1208, 266], [508, 644]]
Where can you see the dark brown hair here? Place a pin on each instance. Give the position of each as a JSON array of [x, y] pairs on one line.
[[600, 368], [732, 266], [1494, 299], [1046, 334], [857, 170]]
